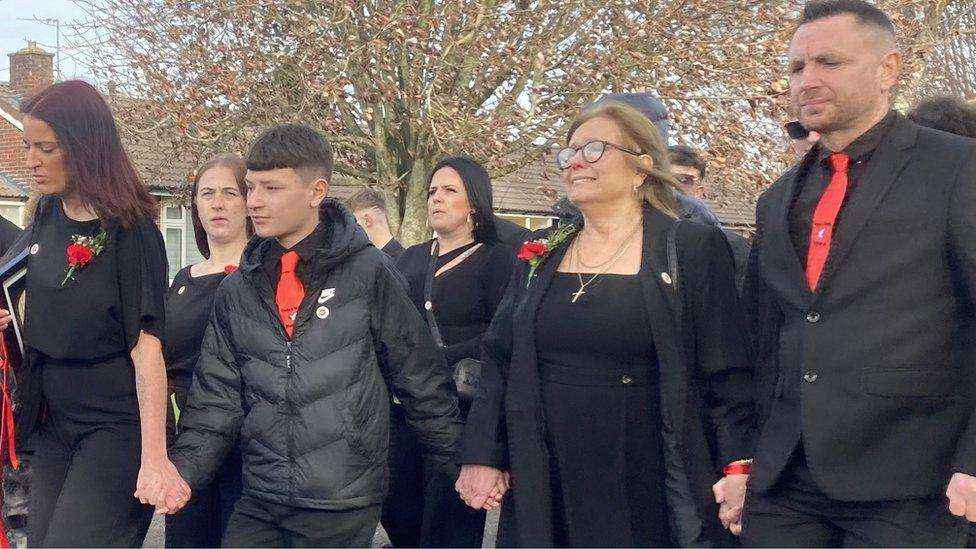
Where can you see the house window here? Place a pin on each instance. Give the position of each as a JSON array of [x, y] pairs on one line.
[[13, 212], [172, 223]]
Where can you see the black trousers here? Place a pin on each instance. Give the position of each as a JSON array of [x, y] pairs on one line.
[[204, 519], [796, 513], [422, 508], [82, 489], [258, 523]]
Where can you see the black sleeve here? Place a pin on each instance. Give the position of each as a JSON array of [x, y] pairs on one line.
[[211, 421], [485, 436], [722, 350], [414, 365], [142, 280], [494, 281]]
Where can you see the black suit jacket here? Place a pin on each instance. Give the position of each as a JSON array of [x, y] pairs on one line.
[[871, 367]]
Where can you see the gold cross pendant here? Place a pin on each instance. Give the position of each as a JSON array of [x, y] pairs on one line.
[[577, 294]]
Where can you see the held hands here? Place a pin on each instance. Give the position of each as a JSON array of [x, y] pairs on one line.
[[482, 487], [160, 484], [730, 495], [4, 319], [962, 496]]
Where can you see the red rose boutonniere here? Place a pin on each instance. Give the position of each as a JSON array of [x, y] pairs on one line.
[[82, 251], [536, 251]]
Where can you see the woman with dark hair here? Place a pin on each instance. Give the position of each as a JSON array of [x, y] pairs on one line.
[[94, 391], [617, 372], [221, 227], [456, 281]]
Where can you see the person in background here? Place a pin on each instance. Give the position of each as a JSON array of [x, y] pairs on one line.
[[801, 139], [946, 113], [369, 207], [599, 387], [302, 343], [457, 281], [221, 228], [93, 391], [690, 170]]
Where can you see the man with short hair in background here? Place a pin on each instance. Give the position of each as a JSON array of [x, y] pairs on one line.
[[369, 207]]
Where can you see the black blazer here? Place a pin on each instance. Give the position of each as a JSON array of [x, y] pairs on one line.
[[706, 380], [871, 367]]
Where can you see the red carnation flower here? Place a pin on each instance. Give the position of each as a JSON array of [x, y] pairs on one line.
[[79, 255], [530, 250]]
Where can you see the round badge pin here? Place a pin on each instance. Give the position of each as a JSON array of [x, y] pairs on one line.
[[322, 312], [666, 278], [34, 248], [181, 290], [427, 305]]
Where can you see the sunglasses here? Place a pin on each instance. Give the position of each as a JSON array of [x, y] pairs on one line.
[[592, 152], [796, 130]]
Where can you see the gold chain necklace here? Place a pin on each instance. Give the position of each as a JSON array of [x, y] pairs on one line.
[[620, 253]]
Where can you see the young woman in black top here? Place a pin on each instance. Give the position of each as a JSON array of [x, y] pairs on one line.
[[93, 323], [221, 227], [617, 369], [470, 272]]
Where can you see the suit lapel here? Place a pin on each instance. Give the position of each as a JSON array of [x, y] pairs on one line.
[[883, 170], [779, 264]]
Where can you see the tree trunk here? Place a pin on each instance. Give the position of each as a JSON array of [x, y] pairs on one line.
[[413, 229]]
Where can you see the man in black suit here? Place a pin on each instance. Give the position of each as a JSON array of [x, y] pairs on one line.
[[861, 286]]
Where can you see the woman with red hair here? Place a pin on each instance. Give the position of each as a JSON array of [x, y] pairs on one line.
[[94, 317]]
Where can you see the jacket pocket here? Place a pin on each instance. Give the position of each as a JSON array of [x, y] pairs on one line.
[[912, 381]]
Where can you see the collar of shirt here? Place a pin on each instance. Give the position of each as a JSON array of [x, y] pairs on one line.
[[861, 149], [306, 248]]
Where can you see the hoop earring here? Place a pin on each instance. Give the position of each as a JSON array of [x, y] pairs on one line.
[[469, 217]]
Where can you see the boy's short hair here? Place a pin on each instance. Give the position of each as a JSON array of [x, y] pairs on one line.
[[367, 198], [295, 146]]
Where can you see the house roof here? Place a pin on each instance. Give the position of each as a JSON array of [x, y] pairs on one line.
[[161, 165], [7, 95], [11, 188]]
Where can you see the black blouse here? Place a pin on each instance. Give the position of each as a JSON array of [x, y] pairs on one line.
[[101, 311], [188, 305], [464, 297]]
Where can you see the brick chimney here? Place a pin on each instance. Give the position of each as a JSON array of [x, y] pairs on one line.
[[31, 70]]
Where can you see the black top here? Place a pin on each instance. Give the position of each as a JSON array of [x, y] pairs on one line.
[[393, 249], [818, 177], [604, 329], [464, 297], [188, 305], [99, 313], [305, 248]]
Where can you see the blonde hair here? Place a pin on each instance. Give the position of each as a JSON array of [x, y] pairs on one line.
[[639, 134]]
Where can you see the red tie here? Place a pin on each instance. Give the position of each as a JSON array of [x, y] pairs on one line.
[[290, 291], [824, 218]]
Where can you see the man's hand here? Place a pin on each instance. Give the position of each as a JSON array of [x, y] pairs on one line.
[[962, 496], [730, 495], [481, 487]]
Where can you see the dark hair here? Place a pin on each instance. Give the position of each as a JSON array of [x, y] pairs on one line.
[[866, 13], [367, 197], [683, 155], [295, 146], [477, 183], [234, 163], [946, 113], [97, 165]]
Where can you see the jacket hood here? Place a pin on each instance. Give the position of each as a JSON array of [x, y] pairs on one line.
[[343, 238]]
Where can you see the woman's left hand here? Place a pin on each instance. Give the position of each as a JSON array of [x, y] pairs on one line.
[[730, 495], [160, 484]]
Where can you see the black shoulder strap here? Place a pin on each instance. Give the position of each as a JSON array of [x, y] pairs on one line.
[[674, 270], [428, 295]]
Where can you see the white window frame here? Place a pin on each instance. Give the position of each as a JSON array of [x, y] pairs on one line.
[[21, 208], [177, 224]]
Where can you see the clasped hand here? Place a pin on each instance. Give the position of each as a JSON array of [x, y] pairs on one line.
[[482, 487], [730, 495], [161, 485]]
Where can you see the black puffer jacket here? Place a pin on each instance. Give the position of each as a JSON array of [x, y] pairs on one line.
[[313, 412]]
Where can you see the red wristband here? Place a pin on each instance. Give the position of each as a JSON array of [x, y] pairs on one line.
[[742, 467]]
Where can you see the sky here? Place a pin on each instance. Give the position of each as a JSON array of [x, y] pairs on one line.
[[14, 33]]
